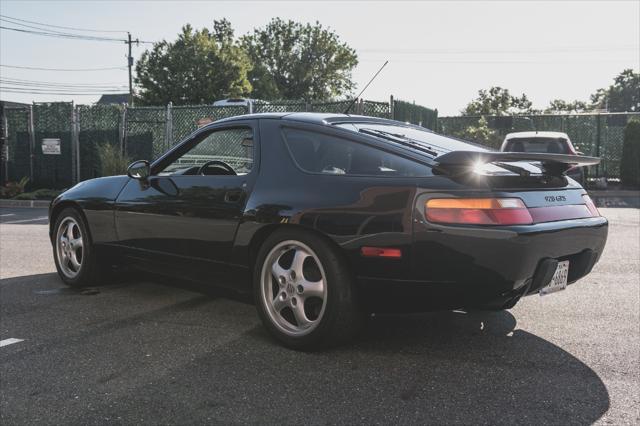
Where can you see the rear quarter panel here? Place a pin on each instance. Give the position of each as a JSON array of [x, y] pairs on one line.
[[352, 211]]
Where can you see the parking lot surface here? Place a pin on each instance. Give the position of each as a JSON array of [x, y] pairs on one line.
[[156, 353]]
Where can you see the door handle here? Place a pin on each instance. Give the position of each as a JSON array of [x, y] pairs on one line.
[[232, 196]]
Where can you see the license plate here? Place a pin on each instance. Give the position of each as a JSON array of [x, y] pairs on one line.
[[559, 280]]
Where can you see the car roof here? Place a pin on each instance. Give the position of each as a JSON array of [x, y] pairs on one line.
[[553, 135], [310, 117]]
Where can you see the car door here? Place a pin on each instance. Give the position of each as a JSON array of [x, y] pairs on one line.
[[183, 218]]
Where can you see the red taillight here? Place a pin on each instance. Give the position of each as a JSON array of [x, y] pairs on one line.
[[503, 211], [590, 205], [381, 252], [478, 211], [555, 213]]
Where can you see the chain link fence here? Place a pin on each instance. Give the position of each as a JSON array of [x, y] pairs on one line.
[[78, 132]]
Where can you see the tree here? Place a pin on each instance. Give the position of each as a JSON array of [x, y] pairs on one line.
[[480, 133], [560, 106], [199, 67], [623, 95], [498, 101], [295, 61]]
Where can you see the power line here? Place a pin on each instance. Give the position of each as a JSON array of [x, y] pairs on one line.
[[34, 27], [64, 28], [20, 80], [53, 93], [58, 92], [64, 35], [63, 69], [53, 33], [28, 84]]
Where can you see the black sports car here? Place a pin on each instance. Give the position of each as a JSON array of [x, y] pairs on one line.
[[326, 218]]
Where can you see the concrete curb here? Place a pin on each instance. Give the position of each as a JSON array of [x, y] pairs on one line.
[[25, 203]]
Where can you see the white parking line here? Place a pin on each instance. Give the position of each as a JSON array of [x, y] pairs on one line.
[[8, 214], [10, 341], [26, 220]]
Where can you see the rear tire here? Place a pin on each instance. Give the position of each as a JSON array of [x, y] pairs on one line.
[[73, 251], [304, 293]]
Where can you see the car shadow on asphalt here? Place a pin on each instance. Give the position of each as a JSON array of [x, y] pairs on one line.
[[440, 367]]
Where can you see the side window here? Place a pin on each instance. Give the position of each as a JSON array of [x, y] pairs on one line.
[[320, 153], [223, 152]]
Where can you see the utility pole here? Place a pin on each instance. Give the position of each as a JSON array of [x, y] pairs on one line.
[[130, 64]]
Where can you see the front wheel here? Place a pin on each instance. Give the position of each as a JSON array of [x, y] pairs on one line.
[[304, 293], [72, 250]]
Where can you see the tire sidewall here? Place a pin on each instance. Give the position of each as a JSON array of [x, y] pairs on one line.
[[83, 276], [339, 289]]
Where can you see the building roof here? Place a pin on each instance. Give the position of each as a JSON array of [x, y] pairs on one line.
[[9, 104], [115, 98]]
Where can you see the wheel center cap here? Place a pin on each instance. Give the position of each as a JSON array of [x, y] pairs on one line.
[[290, 288]]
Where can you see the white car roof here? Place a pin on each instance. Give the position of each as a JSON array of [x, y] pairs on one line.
[[516, 135]]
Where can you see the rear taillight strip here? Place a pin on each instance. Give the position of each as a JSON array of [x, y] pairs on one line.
[[502, 211], [555, 213]]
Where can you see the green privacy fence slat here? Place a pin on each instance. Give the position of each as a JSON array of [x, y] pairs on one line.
[[145, 132], [52, 120], [415, 114], [18, 143]]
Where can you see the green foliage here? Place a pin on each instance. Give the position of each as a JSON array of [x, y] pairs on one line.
[[112, 162], [558, 106], [199, 67], [622, 96], [39, 194], [630, 161], [11, 189], [498, 101], [295, 61], [481, 133]]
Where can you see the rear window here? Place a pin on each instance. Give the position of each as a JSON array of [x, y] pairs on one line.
[[320, 153], [438, 143], [545, 145]]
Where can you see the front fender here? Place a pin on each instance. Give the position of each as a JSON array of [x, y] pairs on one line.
[[95, 198]]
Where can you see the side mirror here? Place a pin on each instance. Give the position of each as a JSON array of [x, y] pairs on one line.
[[139, 170]]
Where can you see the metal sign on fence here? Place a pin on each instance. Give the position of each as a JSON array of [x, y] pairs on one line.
[[51, 146]]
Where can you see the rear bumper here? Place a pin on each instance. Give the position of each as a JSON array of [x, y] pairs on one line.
[[455, 266]]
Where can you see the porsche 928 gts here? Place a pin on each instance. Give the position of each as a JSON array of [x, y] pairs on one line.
[[324, 219]]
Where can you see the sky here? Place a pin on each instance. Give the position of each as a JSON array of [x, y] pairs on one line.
[[440, 53]]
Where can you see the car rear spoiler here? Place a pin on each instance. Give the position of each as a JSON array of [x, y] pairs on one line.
[[461, 162]]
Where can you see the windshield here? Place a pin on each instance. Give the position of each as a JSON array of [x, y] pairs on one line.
[[426, 140]]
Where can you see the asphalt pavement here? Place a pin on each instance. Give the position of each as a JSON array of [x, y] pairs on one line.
[[144, 352]]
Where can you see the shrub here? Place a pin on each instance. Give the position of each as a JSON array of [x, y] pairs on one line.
[[11, 189], [630, 161], [112, 161], [38, 194]]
